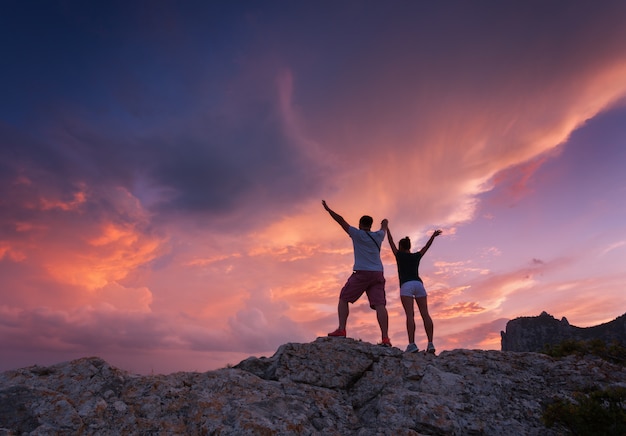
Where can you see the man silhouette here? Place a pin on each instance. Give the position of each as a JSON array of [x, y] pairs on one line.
[[367, 275]]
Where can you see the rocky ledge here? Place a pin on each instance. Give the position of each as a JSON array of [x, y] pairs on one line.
[[331, 386]]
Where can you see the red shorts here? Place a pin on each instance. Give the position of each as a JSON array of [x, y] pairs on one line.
[[370, 282]]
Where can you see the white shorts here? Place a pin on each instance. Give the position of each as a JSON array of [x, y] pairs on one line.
[[413, 288]]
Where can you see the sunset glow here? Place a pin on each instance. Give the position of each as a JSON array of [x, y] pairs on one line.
[[163, 166]]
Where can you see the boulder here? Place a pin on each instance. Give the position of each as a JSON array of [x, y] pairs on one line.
[[331, 386]]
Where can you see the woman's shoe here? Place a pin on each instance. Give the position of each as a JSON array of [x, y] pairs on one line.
[[411, 348]]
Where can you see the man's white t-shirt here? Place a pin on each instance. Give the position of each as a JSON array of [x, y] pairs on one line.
[[366, 252]]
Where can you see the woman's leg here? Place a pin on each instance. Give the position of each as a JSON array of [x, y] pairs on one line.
[[407, 303], [422, 304]]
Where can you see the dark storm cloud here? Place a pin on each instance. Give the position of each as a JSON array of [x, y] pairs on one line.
[[211, 169], [141, 108], [221, 167]]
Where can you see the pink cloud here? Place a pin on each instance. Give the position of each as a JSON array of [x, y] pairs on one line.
[[516, 179], [484, 336]]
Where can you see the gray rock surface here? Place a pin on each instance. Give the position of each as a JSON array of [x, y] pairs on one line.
[[534, 333], [332, 386]]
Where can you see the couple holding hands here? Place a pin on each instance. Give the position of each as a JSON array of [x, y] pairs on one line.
[[368, 277]]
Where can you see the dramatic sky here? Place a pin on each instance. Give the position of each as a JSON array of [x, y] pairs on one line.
[[162, 167]]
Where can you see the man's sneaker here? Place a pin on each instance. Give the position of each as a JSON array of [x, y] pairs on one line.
[[386, 342], [430, 348], [338, 333], [411, 348]]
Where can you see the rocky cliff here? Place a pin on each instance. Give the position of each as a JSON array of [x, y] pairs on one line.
[[534, 333], [332, 386]]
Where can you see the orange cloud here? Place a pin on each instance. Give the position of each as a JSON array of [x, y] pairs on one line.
[[8, 251], [112, 255], [77, 243], [78, 199]]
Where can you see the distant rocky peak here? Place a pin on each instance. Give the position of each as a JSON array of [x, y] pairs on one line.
[[535, 333]]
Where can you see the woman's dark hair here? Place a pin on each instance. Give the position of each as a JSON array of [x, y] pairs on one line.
[[405, 243]]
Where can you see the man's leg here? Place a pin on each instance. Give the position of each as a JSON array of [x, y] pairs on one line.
[[343, 310], [351, 291], [383, 320]]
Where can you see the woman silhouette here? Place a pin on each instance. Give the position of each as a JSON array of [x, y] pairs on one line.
[[412, 288]]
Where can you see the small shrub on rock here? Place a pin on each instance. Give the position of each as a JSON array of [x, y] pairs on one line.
[[600, 412], [615, 352]]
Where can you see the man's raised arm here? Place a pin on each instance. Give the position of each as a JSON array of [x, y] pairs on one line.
[[344, 225]]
